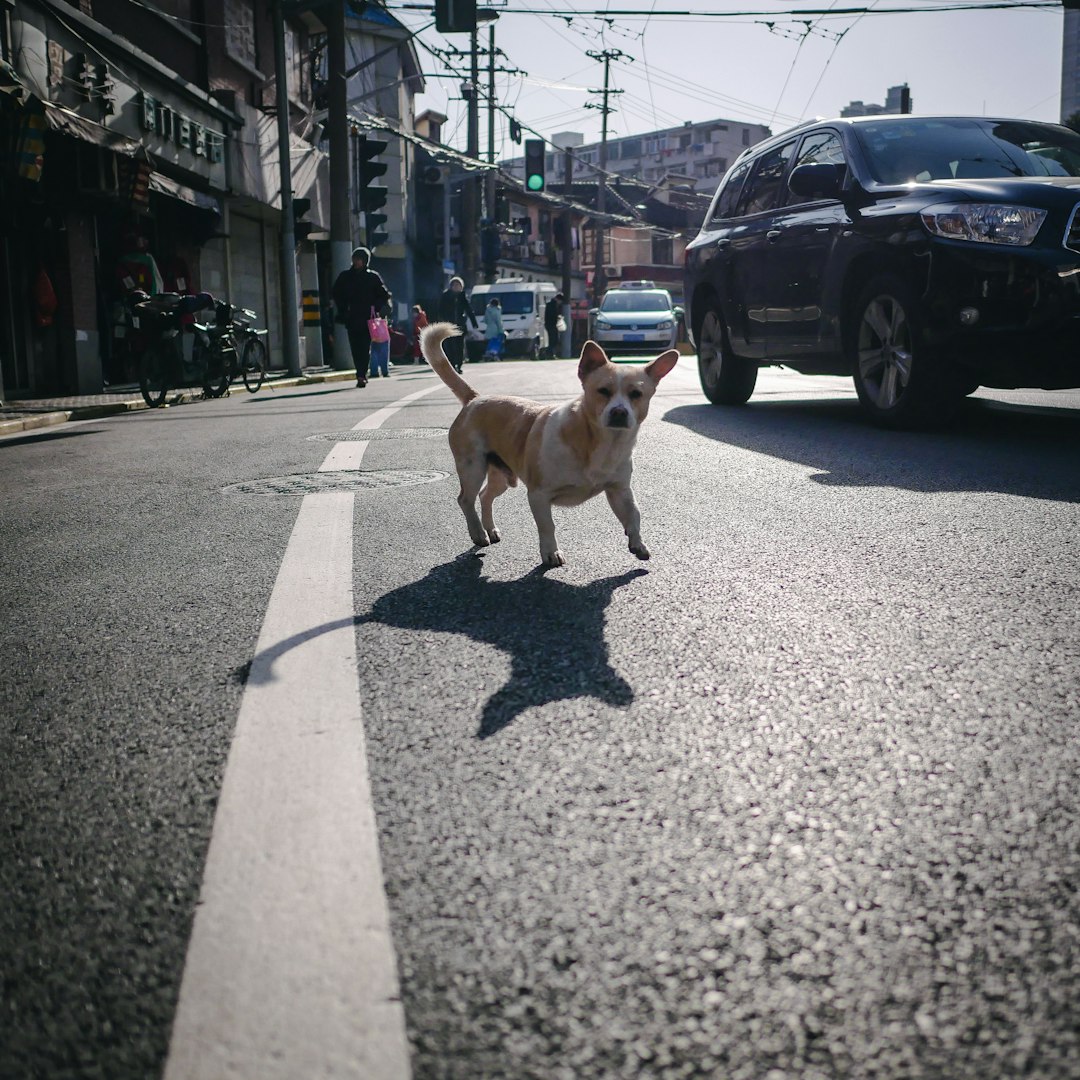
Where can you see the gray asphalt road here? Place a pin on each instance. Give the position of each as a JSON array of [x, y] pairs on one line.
[[797, 798]]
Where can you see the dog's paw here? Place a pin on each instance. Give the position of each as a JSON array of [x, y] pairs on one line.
[[640, 550], [554, 558], [493, 535]]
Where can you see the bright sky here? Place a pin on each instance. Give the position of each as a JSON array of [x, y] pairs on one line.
[[694, 67]]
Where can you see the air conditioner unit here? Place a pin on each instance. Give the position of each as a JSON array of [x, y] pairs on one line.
[[537, 246], [612, 272]]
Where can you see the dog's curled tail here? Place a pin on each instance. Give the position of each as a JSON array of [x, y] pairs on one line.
[[431, 339]]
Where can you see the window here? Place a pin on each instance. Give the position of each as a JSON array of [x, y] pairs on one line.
[[766, 187], [729, 196], [631, 148], [240, 31], [663, 251], [294, 64]]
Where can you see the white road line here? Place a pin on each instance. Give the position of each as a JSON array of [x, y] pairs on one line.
[[290, 971]]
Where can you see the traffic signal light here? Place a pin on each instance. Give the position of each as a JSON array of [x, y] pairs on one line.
[[534, 164], [370, 196], [301, 229], [515, 130], [490, 249], [455, 16], [376, 235]]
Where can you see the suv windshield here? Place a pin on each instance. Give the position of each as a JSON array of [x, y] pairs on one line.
[[620, 300], [513, 303], [899, 151]]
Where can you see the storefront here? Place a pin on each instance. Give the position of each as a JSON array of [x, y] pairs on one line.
[[126, 190]]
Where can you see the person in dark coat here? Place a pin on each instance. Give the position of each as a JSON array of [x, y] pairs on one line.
[[356, 291], [552, 311], [454, 308]]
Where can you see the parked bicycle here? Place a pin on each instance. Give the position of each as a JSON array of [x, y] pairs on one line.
[[227, 348], [161, 365], [250, 348]]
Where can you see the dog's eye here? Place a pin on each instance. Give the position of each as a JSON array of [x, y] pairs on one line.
[[604, 391], [634, 395]]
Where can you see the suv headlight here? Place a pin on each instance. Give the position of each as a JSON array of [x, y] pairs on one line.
[[985, 223], [665, 325], [603, 324]]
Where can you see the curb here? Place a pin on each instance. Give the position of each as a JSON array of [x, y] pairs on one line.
[[34, 421]]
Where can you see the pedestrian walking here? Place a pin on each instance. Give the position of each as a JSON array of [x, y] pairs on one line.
[[493, 329], [454, 308], [419, 321], [356, 292], [552, 314]]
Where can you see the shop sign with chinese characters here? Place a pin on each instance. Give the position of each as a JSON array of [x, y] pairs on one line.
[[174, 126]]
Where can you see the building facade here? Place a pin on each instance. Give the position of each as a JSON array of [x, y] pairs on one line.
[[140, 153]]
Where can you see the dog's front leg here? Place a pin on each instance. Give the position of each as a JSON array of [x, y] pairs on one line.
[[621, 499], [540, 505]]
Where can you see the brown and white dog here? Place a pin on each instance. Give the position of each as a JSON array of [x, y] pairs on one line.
[[565, 454]]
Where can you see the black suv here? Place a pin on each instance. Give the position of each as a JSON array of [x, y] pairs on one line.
[[924, 256]]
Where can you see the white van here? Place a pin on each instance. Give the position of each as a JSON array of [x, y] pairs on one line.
[[523, 315]]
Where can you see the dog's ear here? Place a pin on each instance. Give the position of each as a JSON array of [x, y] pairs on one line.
[[662, 365], [592, 357]]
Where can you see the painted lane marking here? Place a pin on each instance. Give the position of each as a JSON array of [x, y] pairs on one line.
[[290, 970]]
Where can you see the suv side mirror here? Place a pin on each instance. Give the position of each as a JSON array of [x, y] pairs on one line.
[[822, 180], [679, 312]]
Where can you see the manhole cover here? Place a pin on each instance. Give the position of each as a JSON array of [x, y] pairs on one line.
[[379, 433], [353, 480]]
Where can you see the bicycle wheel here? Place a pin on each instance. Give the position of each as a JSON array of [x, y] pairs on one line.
[[216, 372], [253, 363], [154, 366]]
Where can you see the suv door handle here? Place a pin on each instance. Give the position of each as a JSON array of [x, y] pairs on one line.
[[723, 242], [773, 235]]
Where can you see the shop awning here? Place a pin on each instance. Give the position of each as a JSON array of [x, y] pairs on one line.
[[78, 127], [14, 89], [163, 185]]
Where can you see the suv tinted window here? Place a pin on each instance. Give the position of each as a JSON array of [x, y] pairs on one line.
[[729, 197], [765, 189], [818, 148]]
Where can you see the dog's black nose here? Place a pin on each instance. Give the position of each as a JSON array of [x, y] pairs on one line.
[[618, 417]]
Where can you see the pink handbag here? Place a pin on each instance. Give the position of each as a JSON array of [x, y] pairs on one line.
[[377, 328]]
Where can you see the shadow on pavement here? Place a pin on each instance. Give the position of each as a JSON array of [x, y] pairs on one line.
[[46, 435], [552, 630], [987, 447]]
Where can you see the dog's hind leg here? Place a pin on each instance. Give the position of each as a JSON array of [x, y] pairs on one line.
[[497, 483], [471, 471]]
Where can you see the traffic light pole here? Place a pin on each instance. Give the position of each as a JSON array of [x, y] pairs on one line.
[[290, 318], [469, 191], [338, 133]]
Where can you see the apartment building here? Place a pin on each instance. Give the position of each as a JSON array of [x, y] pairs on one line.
[[698, 154]]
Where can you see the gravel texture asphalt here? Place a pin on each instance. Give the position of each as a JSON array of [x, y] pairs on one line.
[[795, 799]]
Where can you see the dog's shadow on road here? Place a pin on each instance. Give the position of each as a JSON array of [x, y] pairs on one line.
[[552, 630]]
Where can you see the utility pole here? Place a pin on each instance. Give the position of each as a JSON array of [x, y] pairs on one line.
[[599, 279], [337, 129], [566, 345], [290, 319], [489, 192], [469, 193]]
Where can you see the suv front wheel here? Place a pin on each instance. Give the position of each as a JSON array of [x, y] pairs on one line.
[[726, 379], [897, 380]]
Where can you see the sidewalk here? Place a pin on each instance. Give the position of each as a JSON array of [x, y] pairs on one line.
[[27, 415]]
